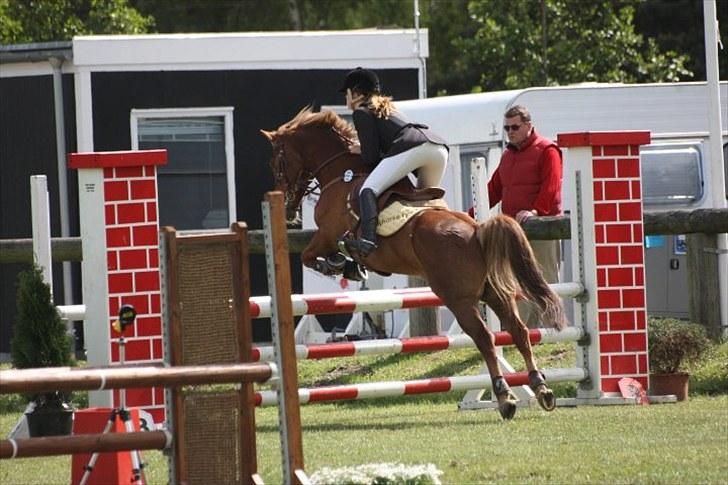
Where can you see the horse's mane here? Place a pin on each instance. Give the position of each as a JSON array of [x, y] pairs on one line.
[[328, 119]]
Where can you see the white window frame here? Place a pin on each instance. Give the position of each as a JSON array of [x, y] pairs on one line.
[[225, 112]]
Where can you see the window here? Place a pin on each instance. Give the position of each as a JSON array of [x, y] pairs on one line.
[[671, 173], [197, 186]]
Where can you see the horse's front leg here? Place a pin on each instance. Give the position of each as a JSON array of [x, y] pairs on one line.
[[318, 247], [322, 256]]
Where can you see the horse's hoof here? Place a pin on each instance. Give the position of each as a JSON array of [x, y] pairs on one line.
[[507, 405], [546, 399], [507, 409]]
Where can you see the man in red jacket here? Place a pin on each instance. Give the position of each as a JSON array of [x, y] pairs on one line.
[[527, 182]]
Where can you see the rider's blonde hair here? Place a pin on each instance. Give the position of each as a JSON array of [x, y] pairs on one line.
[[382, 106]]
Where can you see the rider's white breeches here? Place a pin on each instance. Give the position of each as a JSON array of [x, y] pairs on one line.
[[429, 158]]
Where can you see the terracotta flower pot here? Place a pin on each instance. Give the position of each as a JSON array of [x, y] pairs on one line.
[[664, 384]]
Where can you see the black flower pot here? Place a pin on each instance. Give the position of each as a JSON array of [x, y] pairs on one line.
[[50, 419]]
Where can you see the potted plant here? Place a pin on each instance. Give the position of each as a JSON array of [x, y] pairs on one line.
[[672, 344], [40, 339]]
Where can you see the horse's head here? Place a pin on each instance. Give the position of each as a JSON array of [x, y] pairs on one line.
[[289, 173], [301, 147]]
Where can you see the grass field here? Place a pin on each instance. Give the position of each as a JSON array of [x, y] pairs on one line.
[[684, 443]]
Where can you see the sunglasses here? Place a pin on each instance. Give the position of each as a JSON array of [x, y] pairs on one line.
[[511, 127]]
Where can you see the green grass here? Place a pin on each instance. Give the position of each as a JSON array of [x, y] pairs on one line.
[[682, 443]]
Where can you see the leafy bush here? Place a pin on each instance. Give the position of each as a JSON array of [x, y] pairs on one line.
[[709, 375], [40, 338], [674, 343]]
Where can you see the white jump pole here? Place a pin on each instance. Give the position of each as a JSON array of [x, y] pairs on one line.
[[41, 222]]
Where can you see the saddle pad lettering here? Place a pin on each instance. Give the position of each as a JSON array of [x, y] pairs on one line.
[[397, 214]]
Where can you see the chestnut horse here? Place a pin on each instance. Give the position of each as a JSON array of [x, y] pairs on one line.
[[464, 262]]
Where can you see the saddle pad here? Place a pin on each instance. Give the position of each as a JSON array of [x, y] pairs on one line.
[[398, 213]]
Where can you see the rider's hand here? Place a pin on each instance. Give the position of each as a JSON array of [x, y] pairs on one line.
[[523, 215], [355, 148]]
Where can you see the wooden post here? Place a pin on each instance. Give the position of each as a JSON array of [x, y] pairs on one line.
[[279, 285], [703, 282], [422, 321], [241, 283]]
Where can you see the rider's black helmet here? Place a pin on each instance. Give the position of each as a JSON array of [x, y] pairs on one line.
[[363, 80]]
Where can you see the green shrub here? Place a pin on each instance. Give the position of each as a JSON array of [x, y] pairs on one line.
[[40, 338], [674, 343]]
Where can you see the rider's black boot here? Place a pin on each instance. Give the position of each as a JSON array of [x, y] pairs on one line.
[[368, 213]]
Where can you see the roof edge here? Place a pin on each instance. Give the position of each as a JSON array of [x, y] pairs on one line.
[[36, 52]]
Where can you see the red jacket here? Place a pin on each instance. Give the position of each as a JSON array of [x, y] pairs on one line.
[[528, 178]]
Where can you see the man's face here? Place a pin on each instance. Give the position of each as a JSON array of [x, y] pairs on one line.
[[516, 129]]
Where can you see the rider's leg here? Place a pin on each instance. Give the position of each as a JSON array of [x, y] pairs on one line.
[[430, 174], [427, 157], [368, 217], [388, 172]]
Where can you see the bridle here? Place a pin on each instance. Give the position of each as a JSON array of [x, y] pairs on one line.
[[302, 185]]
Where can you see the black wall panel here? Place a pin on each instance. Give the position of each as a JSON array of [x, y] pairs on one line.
[[262, 100], [28, 147]]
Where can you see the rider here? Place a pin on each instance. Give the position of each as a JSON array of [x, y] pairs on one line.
[[390, 144]]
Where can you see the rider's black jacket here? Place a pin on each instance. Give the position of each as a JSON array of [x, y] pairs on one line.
[[384, 137]]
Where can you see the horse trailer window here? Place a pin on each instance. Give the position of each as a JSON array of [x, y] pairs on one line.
[[671, 174], [195, 184]]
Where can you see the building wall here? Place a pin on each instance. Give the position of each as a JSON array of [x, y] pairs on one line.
[[263, 99], [28, 147]]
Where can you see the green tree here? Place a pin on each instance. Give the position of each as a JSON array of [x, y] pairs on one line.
[[40, 338], [677, 25], [26, 21], [552, 42], [474, 44]]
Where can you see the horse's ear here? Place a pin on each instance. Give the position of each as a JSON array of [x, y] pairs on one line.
[[268, 134]]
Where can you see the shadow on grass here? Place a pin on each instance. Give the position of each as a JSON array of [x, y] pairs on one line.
[[352, 374]]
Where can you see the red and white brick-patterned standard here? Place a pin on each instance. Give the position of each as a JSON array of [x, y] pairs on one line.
[[119, 228], [613, 253]]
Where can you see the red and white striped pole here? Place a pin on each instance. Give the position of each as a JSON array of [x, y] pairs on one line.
[[371, 301], [412, 345], [422, 386]]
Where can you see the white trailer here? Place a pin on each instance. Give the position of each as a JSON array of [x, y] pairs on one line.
[[675, 167]]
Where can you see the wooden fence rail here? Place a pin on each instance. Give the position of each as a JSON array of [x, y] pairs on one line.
[[117, 377], [707, 221], [84, 443]]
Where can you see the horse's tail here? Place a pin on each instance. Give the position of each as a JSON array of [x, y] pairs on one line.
[[511, 266]]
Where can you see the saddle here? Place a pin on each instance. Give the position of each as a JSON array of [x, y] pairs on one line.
[[397, 205], [403, 192]]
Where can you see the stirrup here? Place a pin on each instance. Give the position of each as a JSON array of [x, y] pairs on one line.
[[362, 246]]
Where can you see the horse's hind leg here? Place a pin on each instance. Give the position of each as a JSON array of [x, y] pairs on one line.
[[507, 311], [468, 316]]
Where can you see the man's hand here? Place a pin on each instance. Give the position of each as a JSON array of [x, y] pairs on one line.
[[523, 215]]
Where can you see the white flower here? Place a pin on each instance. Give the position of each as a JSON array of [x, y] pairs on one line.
[[378, 474]]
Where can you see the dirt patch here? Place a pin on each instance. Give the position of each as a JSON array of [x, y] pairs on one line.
[[337, 374]]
